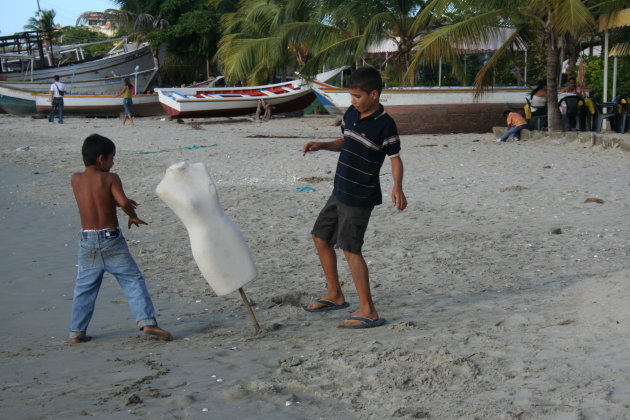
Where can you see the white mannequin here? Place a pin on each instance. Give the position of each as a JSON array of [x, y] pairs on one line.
[[218, 247]]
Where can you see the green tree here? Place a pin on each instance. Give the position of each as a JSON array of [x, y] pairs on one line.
[[265, 35], [194, 38], [549, 22], [44, 22], [254, 45], [342, 32], [82, 35]]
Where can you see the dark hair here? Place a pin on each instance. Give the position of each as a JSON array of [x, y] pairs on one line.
[[94, 146], [506, 112], [541, 84], [56, 77], [128, 82], [366, 79]]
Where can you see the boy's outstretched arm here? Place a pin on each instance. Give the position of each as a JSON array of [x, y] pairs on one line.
[[127, 205], [398, 196], [314, 146]]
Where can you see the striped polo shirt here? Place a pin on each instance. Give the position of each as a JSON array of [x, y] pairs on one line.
[[365, 143]]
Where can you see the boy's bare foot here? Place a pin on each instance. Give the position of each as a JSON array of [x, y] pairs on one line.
[[83, 339], [337, 301], [358, 320], [324, 305], [157, 332]]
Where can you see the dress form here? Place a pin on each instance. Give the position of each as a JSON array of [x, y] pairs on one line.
[[217, 244]]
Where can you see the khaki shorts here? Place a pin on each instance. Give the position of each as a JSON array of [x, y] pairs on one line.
[[342, 226]]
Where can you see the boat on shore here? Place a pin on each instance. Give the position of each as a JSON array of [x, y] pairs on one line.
[[420, 110], [26, 69], [284, 97], [19, 97], [144, 105], [23, 59]]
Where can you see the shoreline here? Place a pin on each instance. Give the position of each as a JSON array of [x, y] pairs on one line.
[[490, 314]]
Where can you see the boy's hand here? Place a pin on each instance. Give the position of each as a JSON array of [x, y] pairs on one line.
[[399, 199], [134, 204], [311, 146], [135, 221]]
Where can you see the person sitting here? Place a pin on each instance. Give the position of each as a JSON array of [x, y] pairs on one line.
[[515, 123], [573, 89], [571, 107], [539, 98]]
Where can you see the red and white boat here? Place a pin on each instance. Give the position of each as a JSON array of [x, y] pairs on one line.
[[101, 105], [284, 97], [452, 109]]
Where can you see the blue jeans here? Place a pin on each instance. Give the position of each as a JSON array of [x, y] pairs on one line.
[[516, 131], [101, 251], [56, 105], [127, 102]]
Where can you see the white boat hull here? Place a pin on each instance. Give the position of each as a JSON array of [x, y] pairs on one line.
[[101, 105], [436, 110], [234, 101], [18, 97]]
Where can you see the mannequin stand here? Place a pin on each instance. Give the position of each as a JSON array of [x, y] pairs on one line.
[[250, 310]]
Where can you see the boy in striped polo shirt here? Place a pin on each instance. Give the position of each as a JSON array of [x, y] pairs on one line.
[[369, 134]]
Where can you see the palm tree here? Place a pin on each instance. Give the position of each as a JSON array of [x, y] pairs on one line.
[[314, 33], [254, 46], [44, 22], [551, 22], [342, 32]]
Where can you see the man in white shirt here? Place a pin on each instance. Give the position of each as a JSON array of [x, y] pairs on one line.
[[57, 90]]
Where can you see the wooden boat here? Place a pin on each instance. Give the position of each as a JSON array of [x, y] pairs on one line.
[[436, 109], [101, 105], [19, 97], [129, 58], [284, 97]]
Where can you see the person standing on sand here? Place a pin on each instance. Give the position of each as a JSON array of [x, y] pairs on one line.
[[127, 92], [57, 90], [368, 135], [102, 246]]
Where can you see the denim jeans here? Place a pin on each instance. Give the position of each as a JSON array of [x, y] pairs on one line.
[[101, 251], [127, 102], [56, 105], [514, 130]]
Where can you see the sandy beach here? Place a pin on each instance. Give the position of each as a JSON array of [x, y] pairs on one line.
[[506, 294]]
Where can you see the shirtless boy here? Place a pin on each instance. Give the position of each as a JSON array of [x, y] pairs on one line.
[[102, 246]]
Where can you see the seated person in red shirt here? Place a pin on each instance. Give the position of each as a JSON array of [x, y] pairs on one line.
[[572, 88]]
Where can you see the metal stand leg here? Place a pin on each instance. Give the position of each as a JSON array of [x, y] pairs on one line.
[[250, 310]]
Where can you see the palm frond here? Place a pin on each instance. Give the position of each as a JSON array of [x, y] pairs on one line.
[[571, 17], [337, 54], [483, 79], [444, 42]]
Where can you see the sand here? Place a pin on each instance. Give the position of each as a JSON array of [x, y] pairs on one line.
[[505, 293]]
